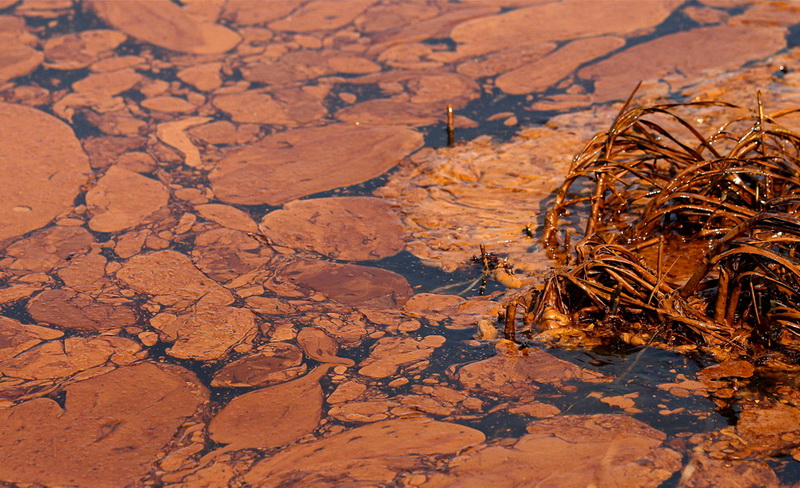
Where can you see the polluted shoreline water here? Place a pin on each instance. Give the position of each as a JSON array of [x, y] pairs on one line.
[[236, 250]]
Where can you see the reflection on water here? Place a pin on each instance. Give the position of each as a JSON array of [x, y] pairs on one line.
[[235, 253]]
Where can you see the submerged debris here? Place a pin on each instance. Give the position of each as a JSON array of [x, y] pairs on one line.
[[691, 240]]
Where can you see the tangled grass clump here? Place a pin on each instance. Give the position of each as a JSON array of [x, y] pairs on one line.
[[689, 241]]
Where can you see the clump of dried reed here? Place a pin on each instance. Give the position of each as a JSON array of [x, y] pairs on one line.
[[689, 239]]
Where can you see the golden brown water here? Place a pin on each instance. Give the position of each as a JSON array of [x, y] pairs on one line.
[[228, 231]]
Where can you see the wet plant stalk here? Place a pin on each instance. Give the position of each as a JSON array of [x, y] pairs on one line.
[[451, 126]]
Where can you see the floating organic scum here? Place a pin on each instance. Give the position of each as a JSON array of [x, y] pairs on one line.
[[691, 240]]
